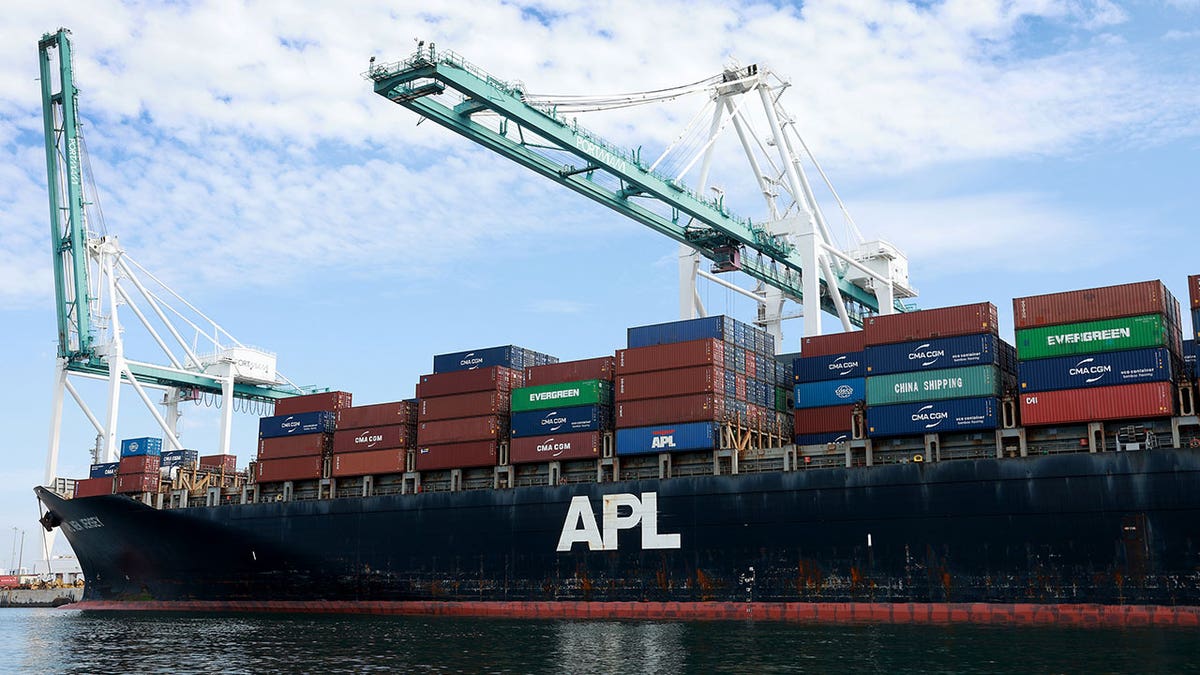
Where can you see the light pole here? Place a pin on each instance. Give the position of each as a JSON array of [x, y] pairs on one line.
[[21, 559], [13, 560]]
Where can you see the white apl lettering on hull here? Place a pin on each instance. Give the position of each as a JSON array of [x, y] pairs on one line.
[[580, 524]]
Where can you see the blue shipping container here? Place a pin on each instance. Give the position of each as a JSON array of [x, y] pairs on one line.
[[296, 425], [914, 419], [1196, 321], [830, 392], [1096, 370], [134, 447], [667, 438], [104, 470], [180, 458], [509, 356], [822, 439], [831, 367], [951, 352], [562, 421]]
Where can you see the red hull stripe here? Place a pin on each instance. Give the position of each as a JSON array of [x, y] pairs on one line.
[[814, 612]]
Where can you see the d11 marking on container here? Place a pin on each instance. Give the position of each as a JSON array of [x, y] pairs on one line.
[[580, 523]]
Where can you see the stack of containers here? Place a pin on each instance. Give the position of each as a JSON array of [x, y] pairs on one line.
[[1192, 354], [463, 407], [178, 458], [374, 439], [101, 480], [829, 380], [563, 411], [935, 371], [676, 380], [138, 468], [293, 444], [222, 463], [1098, 354]]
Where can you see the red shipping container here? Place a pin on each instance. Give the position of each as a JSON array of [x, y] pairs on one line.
[[226, 462], [665, 383], [375, 438], [584, 445], [751, 365], [693, 408], [139, 464], [669, 356], [464, 405], [456, 455], [822, 420], [9, 581], [927, 324], [290, 468], [1125, 401], [834, 343], [1194, 290], [330, 401], [90, 487], [307, 445], [377, 415], [601, 368], [461, 430], [1109, 302], [137, 483], [370, 463], [496, 378]]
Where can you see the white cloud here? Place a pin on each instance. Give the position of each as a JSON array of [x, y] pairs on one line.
[[1178, 35]]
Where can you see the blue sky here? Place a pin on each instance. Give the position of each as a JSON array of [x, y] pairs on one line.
[[1011, 148]]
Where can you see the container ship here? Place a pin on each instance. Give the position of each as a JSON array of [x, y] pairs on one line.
[[919, 469]]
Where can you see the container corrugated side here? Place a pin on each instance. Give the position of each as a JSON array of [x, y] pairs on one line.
[[369, 463], [296, 425], [329, 401], [572, 420], [951, 352], [289, 468], [226, 463], [508, 356], [1096, 370], [497, 378], [666, 357], [934, 385], [830, 393], [103, 470], [832, 344], [934, 417], [839, 366], [599, 368], [305, 445], [665, 383], [1093, 304], [821, 439], [1126, 401], [1194, 290], [172, 458], [822, 420], [456, 455], [138, 464], [555, 447], [375, 438], [687, 330], [132, 447], [464, 405], [137, 482], [563, 394], [377, 415], [667, 438], [487, 427], [674, 410], [1091, 337], [93, 487], [931, 323]]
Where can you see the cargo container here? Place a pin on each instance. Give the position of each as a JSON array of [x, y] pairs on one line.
[[927, 324], [667, 438], [1092, 337], [664, 383], [1189, 358], [843, 365], [91, 487], [822, 420], [305, 445], [1092, 304], [720, 328], [555, 447], [290, 468], [173, 458], [600, 368], [507, 356], [564, 394], [677, 409], [832, 344], [456, 455], [136, 483], [297, 425], [934, 385], [934, 417], [1194, 290], [377, 415], [830, 393], [821, 439], [369, 462], [132, 447], [486, 427], [464, 405], [497, 378], [107, 469], [226, 463], [1096, 370], [571, 420], [1122, 402], [328, 401], [952, 352], [374, 438], [138, 464], [669, 356]]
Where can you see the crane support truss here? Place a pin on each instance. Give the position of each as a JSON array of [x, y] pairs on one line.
[[537, 138]]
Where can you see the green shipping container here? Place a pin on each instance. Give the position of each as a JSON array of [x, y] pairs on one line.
[[1091, 337], [781, 402], [562, 395], [934, 385]]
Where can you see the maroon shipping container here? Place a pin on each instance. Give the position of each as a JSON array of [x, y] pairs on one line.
[[666, 383], [931, 323], [370, 463], [290, 468], [1194, 290], [487, 427], [330, 401], [693, 408], [456, 455], [669, 356], [1109, 302], [554, 448], [834, 343], [227, 463], [139, 464], [307, 445], [496, 378], [464, 405], [823, 420], [601, 368], [90, 487], [137, 483], [375, 438], [1125, 401], [377, 415]]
